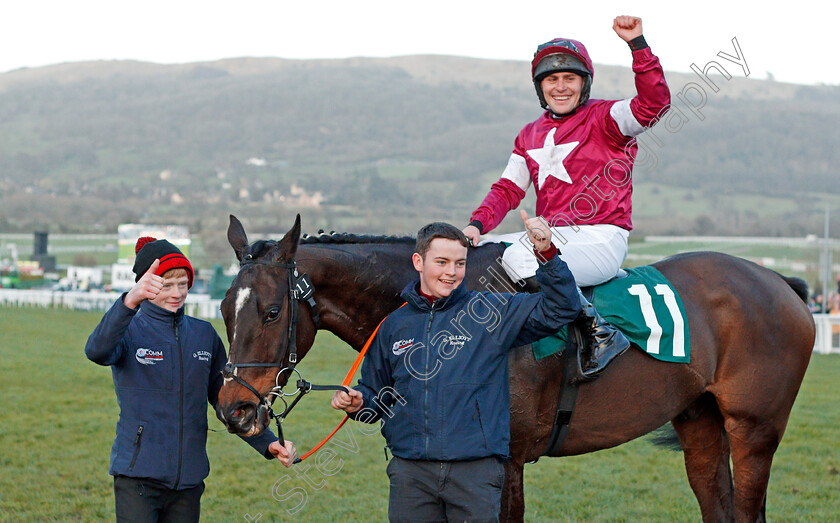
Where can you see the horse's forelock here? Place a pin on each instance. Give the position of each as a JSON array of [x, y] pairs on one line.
[[262, 248]]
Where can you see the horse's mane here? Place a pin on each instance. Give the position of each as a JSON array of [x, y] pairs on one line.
[[264, 248], [340, 238]]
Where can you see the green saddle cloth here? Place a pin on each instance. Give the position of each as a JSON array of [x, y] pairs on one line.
[[645, 307]]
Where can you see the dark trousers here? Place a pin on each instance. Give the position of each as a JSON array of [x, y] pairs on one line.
[[445, 490], [143, 501]]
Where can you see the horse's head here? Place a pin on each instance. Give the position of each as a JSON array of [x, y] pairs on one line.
[[266, 329]]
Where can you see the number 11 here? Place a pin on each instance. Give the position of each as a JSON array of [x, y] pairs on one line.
[[649, 315]]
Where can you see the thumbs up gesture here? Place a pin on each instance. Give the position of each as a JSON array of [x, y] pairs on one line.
[[538, 231], [146, 288]]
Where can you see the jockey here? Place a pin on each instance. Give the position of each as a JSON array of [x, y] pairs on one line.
[[579, 156]]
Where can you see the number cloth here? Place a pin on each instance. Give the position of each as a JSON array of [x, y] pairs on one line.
[[646, 308]]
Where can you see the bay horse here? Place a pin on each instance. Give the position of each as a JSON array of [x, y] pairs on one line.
[[751, 340]]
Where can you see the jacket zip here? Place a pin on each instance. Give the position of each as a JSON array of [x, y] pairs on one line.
[[180, 402], [137, 441], [426, 382]]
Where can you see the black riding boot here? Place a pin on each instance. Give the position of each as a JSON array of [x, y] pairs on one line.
[[602, 341]]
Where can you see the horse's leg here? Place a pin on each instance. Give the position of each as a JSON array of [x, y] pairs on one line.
[[756, 394], [753, 442], [761, 336], [534, 389], [706, 450], [755, 413], [513, 493]]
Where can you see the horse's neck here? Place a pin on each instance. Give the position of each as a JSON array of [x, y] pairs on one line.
[[355, 289], [485, 272], [358, 285]]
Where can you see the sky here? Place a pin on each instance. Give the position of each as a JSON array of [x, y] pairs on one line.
[[789, 42]]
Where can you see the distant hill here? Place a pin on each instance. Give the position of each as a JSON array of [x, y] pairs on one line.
[[378, 145]]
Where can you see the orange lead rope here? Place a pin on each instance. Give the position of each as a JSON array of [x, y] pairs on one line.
[[346, 383]]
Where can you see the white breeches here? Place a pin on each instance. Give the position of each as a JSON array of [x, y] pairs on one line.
[[594, 253]]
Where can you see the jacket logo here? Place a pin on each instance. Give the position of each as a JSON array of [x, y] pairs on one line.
[[457, 342], [148, 356], [202, 355], [402, 346]]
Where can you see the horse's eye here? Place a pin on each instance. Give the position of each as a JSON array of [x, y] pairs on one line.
[[272, 314]]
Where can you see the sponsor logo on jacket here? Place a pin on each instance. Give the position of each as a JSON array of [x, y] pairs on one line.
[[148, 356], [202, 355], [401, 346], [457, 341]]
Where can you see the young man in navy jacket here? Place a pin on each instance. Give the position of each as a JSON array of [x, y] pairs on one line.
[[437, 374], [166, 366]]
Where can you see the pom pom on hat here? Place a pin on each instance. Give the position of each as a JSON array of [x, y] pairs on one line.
[[143, 241], [149, 249]]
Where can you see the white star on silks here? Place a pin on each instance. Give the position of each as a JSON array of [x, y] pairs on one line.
[[550, 159]]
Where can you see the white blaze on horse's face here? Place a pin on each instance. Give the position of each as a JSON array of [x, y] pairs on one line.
[[241, 297]]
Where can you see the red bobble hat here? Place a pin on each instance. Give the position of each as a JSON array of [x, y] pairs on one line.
[[149, 249]]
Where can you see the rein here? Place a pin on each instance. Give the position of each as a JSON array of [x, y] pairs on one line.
[[345, 385]]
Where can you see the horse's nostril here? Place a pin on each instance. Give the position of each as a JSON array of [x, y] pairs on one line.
[[240, 418], [242, 415]]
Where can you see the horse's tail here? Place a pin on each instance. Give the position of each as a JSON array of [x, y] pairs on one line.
[[666, 437], [799, 286]]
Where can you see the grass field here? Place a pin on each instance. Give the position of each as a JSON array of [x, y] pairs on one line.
[[57, 426]]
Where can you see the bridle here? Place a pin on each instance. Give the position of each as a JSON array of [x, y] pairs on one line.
[[300, 289]]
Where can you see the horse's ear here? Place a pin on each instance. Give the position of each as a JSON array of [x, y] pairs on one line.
[[289, 243], [236, 237]]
